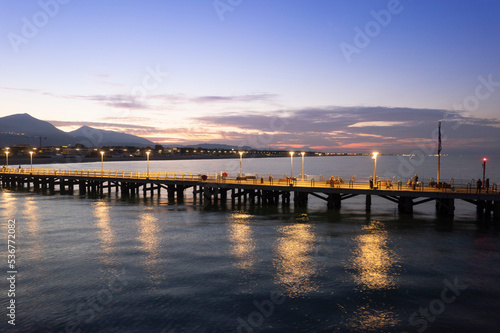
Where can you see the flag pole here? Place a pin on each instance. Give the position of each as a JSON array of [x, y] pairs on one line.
[[439, 153]]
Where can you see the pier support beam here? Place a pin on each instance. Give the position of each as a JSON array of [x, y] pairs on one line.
[[445, 207], [496, 210], [334, 200], [300, 199], [368, 202], [405, 205]]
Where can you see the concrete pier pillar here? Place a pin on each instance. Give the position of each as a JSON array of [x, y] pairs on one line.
[[300, 199], [496, 210], [171, 192], [334, 200], [180, 193], [445, 207], [405, 205], [368, 202]]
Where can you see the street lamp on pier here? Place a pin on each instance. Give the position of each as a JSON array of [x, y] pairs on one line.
[[147, 154], [241, 163], [102, 161], [291, 164], [375, 170], [7, 158], [484, 168], [31, 160], [303, 153]]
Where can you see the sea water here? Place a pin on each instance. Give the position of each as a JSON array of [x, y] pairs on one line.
[[112, 264]]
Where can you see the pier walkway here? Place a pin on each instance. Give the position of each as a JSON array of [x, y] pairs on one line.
[[211, 188]]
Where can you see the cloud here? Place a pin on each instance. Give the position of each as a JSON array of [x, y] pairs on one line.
[[363, 128], [98, 124], [237, 98]]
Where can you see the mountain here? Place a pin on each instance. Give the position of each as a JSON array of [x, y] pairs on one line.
[[92, 137], [24, 129]]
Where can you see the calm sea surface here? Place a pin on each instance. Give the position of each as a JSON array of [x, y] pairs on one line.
[[143, 265]]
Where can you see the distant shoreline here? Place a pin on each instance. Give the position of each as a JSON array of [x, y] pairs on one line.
[[25, 160]]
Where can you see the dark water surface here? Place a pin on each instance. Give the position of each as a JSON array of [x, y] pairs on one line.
[[144, 265]]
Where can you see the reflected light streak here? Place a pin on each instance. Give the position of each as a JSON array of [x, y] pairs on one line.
[[9, 204], [242, 244], [32, 223], [375, 269], [373, 261], [294, 264], [105, 234], [148, 236]]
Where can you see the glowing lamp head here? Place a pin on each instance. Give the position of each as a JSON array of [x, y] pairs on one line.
[[302, 154], [102, 153], [291, 153], [241, 153], [375, 155], [485, 159]]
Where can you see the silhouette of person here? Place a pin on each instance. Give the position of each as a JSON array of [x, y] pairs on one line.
[[487, 184], [479, 184]]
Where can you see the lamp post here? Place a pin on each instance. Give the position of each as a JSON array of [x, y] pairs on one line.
[[291, 164], [102, 161], [147, 154], [7, 157], [241, 163], [375, 170], [302, 178], [31, 161], [484, 168]]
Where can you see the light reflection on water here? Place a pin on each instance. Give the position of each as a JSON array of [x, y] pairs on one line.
[[104, 233], [242, 243], [372, 260], [149, 237], [294, 262], [32, 223], [375, 272]]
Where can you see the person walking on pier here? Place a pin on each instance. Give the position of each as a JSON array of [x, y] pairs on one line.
[[479, 184], [487, 184], [371, 183]]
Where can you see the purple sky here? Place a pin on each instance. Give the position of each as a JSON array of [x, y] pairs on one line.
[[329, 75]]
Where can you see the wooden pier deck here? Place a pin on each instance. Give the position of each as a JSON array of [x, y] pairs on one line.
[[214, 189]]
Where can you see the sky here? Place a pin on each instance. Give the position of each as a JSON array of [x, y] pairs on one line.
[[330, 75]]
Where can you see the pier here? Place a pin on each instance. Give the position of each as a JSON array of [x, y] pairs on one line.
[[213, 189]]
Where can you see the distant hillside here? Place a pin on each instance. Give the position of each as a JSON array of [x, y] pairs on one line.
[[92, 137], [25, 129], [20, 129]]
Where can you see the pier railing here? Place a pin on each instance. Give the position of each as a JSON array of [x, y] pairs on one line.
[[315, 181]]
